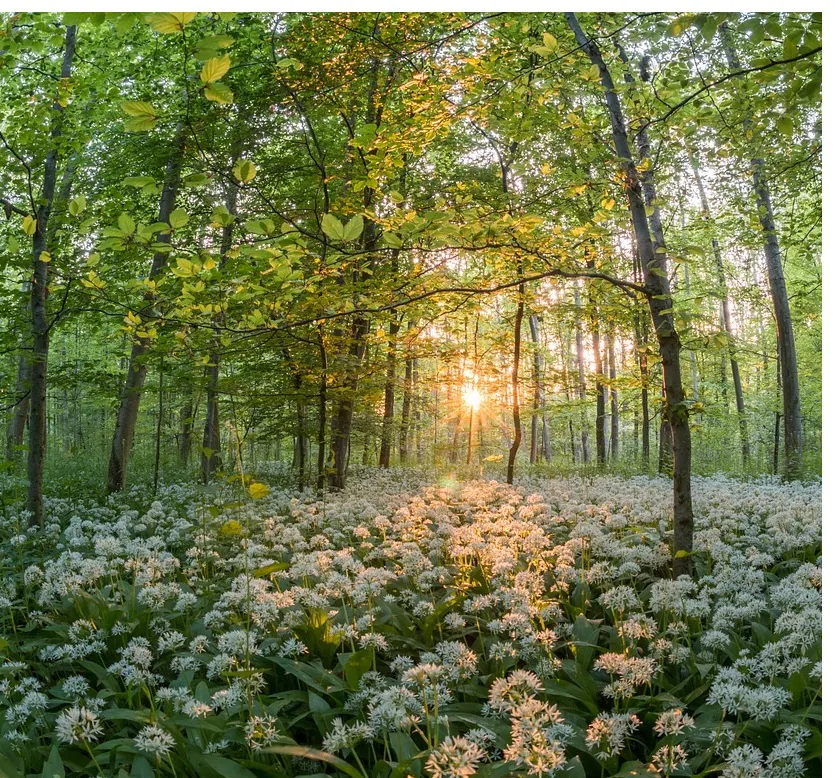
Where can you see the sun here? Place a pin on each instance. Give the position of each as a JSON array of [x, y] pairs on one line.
[[472, 398]]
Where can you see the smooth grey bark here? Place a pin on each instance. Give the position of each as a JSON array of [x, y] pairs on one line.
[[540, 411], [514, 380], [210, 460], [660, 306], [131, 392], [725, 321], [406, 410], [38, 295], [614, 436], [581, 379], [388, 409], [600, 397], [792, 431]]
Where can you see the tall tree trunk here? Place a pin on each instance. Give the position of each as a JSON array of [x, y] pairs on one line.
[[792, 435], [131, 394], [186, 429], [539, 397], [40, 325], [725, 322], [210, 460], [514, 379], [581, 379], [660, 305], [158, 436], [406, 412], [323, 414], [614, 437], [600, 397], [388, 411]]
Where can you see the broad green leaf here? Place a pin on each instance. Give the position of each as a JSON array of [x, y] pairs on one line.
[[244, 171], [219, 93], [30, 224], [168, 23], [77, 205], [139, 109], [353, 229], [332, 227], [319, 756], [126, 224], [54, 766], [178, 218], [215, 69]]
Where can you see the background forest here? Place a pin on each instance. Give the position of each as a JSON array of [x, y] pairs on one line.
[[401, 394]]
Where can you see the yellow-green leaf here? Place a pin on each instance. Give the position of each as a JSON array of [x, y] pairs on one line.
[[244, 171], [30, 224], [139, 108], [219, 93], [258, 491], [45, 257], [167, 23], [215, 69], [178, 218]]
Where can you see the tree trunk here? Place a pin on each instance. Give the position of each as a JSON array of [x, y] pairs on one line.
[[323, 414], [792, 437], [581, 380], [406, 413], [514, 379], [725, 323], [600, 398], [660, 305], [186, 429], [614, 437], [539, 395], [388, 412], [131, 394], [40, 325]]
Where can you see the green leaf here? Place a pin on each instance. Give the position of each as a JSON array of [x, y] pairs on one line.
[[219, 93], [77, 205], [139, 109], [266, 570], [785, 125], [244, 171], [332, 227], [357, 665], [353, 229], [140, 124], [195, 179], [168, 23], [178, 218], [126, 224], [215, 69], [319, 756], [141, 768], [54, 766], [30, 224]]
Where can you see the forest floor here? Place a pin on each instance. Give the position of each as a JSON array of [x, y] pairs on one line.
[[409, 628]]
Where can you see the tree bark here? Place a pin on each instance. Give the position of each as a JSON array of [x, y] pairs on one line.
[[388, 411], [539, 398], [614, 437], [660, 305], [792, 434], [39, 290], [600, 398], [725, 322], [131, 393], [581, 380], [406, 411], [514, 379]]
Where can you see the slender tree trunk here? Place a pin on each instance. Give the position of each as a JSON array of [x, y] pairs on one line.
[[40, 325], [158, 437], [725, 322], [388, 411], [186, 429], [406, 413], [614, 437], [660, 305], [514, 379], [792, 433], [600, 398], [581, 380], [131, 394], [323, 414], [539, 393]]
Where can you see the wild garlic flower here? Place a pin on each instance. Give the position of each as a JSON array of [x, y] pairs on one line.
[[78, 725], [455, 758]]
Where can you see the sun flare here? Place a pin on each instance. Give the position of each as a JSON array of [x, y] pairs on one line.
[[472, 398]]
